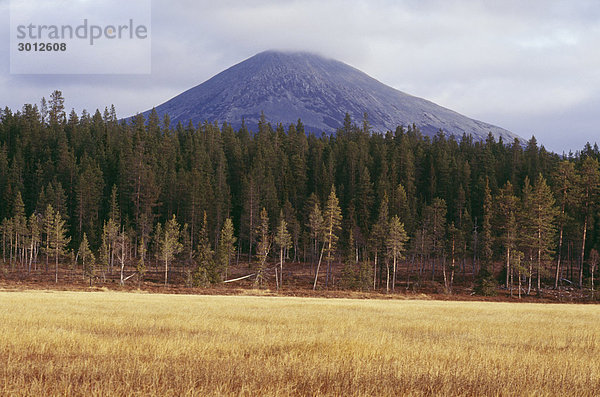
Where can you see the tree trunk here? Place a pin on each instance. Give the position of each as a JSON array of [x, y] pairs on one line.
[[329, 254], [56, 269], [559, 253], [375, 272], [530, 276], [582, 253], [453, 263], [30, 257], [394, 276], [409, 267], [511, 282], [122, 265], [507, 264], [387, 279], [281, 267], [166, 269], [539, 263], [445, 277], [318, 266], [592, 282], [47, 251]]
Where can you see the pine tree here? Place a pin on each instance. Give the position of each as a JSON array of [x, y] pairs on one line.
[[141, 263], [122, 243], [89, 195], [507, 206], [47, 225], [19, 228], [316, 227], [527, 239], [169, 244], [565, 184], [283, 240], [332, 217], [58, 240], [250, 211], [110, 233], [293, 226], [434, 218], [379, 234], [395, 243], [114, 212], [56, 113], [593, 262], [544, 213], [589, 182], [34, 226], [454, 235]]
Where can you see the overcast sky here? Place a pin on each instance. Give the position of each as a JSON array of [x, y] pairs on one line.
[[532, 67]]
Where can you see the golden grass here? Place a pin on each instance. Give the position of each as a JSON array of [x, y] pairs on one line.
[[111, 343]]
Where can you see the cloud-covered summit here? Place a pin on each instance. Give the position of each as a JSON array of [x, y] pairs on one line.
[[288, 86]]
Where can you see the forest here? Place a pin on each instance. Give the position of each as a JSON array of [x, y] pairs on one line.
[[109, 196]]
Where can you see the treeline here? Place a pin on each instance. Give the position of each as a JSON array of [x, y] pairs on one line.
[[107, 195]]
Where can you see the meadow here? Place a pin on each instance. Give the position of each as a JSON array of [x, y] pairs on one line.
[[118, 343]]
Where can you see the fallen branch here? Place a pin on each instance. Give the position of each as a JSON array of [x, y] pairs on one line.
[[128, 277], [239, 278]]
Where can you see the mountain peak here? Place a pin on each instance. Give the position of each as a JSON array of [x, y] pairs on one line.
[[292, 85]]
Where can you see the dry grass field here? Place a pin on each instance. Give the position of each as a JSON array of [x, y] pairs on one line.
[[115, 343]]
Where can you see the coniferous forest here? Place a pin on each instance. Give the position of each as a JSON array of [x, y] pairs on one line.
[[144, 200]]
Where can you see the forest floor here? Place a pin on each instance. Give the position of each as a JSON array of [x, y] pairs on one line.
[[298, 281]]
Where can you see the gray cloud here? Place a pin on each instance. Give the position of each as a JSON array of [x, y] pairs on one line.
[[531, 67]]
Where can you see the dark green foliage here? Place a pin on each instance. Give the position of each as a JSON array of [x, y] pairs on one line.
[[208, 268], [485, 283], [96, 172], [357, 276]]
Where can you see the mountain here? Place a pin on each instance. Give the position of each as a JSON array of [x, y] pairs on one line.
[[288, 86]]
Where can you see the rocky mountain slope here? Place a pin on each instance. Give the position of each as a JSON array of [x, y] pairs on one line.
[[288, 86]]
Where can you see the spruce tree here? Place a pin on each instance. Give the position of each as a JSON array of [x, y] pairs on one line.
[[87, 258], [485, 284], [263, 247], [205, 257], [226, 246], [544, 213]]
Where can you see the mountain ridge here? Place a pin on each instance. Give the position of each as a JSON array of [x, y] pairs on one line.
[[289, 85]]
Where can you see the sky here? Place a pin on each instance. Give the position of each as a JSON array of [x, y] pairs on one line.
[[532, 67]]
